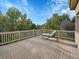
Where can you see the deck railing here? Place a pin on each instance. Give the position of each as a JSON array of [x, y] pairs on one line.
[[64, 34], [7, 37], [68, 35]]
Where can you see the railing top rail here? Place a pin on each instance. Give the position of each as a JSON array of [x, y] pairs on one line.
[[16, 31], [65, 31], [6, 37], [33, 30]]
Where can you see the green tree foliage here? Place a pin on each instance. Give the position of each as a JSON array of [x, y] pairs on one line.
[[71, 25], [13, 15], [53, 22], [4, 23], [65, 17], [15, 20], [62, 22]]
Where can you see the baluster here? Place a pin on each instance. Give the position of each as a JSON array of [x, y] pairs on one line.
[[15, 36], [25, 34], [19, 36], [12, 35], [7, 36], [69, 34], [1, 38], [33, 33], [4, 38]]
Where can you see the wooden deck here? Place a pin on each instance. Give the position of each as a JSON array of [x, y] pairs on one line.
[[38, 48]]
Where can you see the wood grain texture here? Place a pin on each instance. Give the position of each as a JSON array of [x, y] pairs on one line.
[[38, 48]]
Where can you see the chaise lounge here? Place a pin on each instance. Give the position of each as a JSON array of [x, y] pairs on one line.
[[47, 35]]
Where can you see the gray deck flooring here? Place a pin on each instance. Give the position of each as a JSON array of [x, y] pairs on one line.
[[38, 48]]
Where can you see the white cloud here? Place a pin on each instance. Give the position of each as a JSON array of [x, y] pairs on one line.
[[61, 6], [25, 2], [65, 11], [8, 5], [27, 11], [69, 12], [25, 8]]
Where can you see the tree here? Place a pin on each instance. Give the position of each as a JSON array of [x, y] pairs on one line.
[[58, 22], [53, 22], [4, 23], [13, 15], [15, 20], [29, 24], [13, 12], [65, 17]]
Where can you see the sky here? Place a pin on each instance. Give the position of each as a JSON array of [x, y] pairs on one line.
[[38, 10]]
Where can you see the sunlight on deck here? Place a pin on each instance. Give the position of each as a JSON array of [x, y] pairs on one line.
[[38, 48]]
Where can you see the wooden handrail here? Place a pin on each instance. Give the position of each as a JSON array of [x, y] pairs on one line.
[[66, 34], [7, 37]]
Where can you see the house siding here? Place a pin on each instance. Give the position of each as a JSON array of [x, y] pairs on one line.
[[77, 31], [77, 8]]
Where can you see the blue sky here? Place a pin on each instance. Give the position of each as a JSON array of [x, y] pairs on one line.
[[38, 10]]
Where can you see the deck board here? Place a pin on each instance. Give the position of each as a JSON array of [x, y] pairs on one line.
[[38, 48]]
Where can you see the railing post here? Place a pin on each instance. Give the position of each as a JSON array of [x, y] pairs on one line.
[[58, 35], [19, 35]]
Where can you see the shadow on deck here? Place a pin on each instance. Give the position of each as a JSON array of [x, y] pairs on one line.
[[39, 48]]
